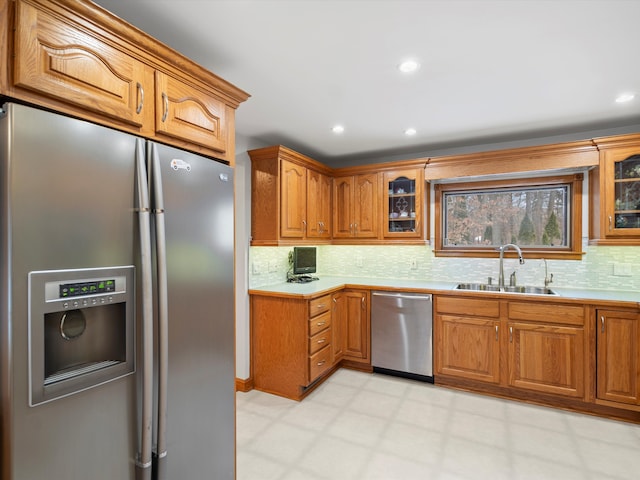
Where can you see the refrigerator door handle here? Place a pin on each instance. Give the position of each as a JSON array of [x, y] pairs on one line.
[[144, 460], [163, 308]]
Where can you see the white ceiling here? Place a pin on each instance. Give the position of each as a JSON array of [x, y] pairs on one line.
[[491, 71]]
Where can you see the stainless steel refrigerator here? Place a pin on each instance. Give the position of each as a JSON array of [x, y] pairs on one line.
[[117, 320]]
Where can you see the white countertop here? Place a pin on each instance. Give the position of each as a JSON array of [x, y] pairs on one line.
[[328, 283]]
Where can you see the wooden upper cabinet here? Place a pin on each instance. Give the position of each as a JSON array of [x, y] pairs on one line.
[[188, 113], [290, 198], [403, 200], [618, 362], [55, 59], [318, 205], [76, 58], [293, 200], [615, 192], [355, 202]]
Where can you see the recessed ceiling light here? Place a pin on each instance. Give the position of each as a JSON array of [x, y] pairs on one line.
[[408, 66], [337, 129], [625, 97], [410, 132]]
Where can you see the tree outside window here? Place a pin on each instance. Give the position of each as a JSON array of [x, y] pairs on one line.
[[538, 214]]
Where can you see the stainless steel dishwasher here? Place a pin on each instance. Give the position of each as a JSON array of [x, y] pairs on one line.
[[402, 334]]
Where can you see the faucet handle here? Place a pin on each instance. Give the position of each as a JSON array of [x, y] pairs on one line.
[[489, 280], [512, 279]]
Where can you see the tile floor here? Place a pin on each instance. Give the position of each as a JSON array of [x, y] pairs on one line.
[[370, 426]]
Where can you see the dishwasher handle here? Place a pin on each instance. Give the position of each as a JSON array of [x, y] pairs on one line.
[[419, 296]]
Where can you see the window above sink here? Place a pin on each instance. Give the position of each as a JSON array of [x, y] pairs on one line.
[[542, 214]]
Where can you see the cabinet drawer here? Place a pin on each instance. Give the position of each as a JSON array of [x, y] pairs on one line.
[[467, 306], [319, 340], [547, 312], [319, 305], [319, 323], [319, 363]]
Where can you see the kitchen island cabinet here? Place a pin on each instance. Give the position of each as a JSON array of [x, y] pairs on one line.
[[618, 357], [76, 58]]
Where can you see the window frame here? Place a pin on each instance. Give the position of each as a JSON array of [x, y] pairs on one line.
[[573, 250]]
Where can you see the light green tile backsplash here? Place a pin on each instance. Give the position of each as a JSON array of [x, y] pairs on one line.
[[269, 265]]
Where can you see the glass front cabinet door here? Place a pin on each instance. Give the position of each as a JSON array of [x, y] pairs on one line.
[[404, 204], [622, 192]]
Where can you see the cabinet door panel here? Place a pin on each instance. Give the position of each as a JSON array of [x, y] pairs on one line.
[[365, 213], [318, 205], [547, 358], [468, 347], [618, 368], [186, 113], [357, 337], [293, 198], [63, 62], [338, 326], [342, 207]]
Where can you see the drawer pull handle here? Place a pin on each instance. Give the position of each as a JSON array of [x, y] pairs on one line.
[[319, 364], [321, 305], [602, 323], [165, 112], [319, 324], [141, 90], [496, 332], [322, 340], [511, 334]]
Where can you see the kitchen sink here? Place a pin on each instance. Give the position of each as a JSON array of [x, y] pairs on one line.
[[487, 287]]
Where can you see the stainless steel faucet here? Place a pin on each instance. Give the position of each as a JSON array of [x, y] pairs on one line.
[[501, 249], [547, 278]]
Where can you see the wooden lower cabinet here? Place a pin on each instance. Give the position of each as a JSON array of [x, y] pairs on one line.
[[520, 346], [467, 334], [357, 339], [290, 343], [338, 325], [468, 347], [547, 358], [297, 342], [618, 357]]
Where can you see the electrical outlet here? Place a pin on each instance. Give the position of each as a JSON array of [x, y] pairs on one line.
[[413, 264], [273, 266], [622, 270], [256, 268]]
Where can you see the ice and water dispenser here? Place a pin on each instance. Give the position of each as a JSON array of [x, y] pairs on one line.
[[81, 330]]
